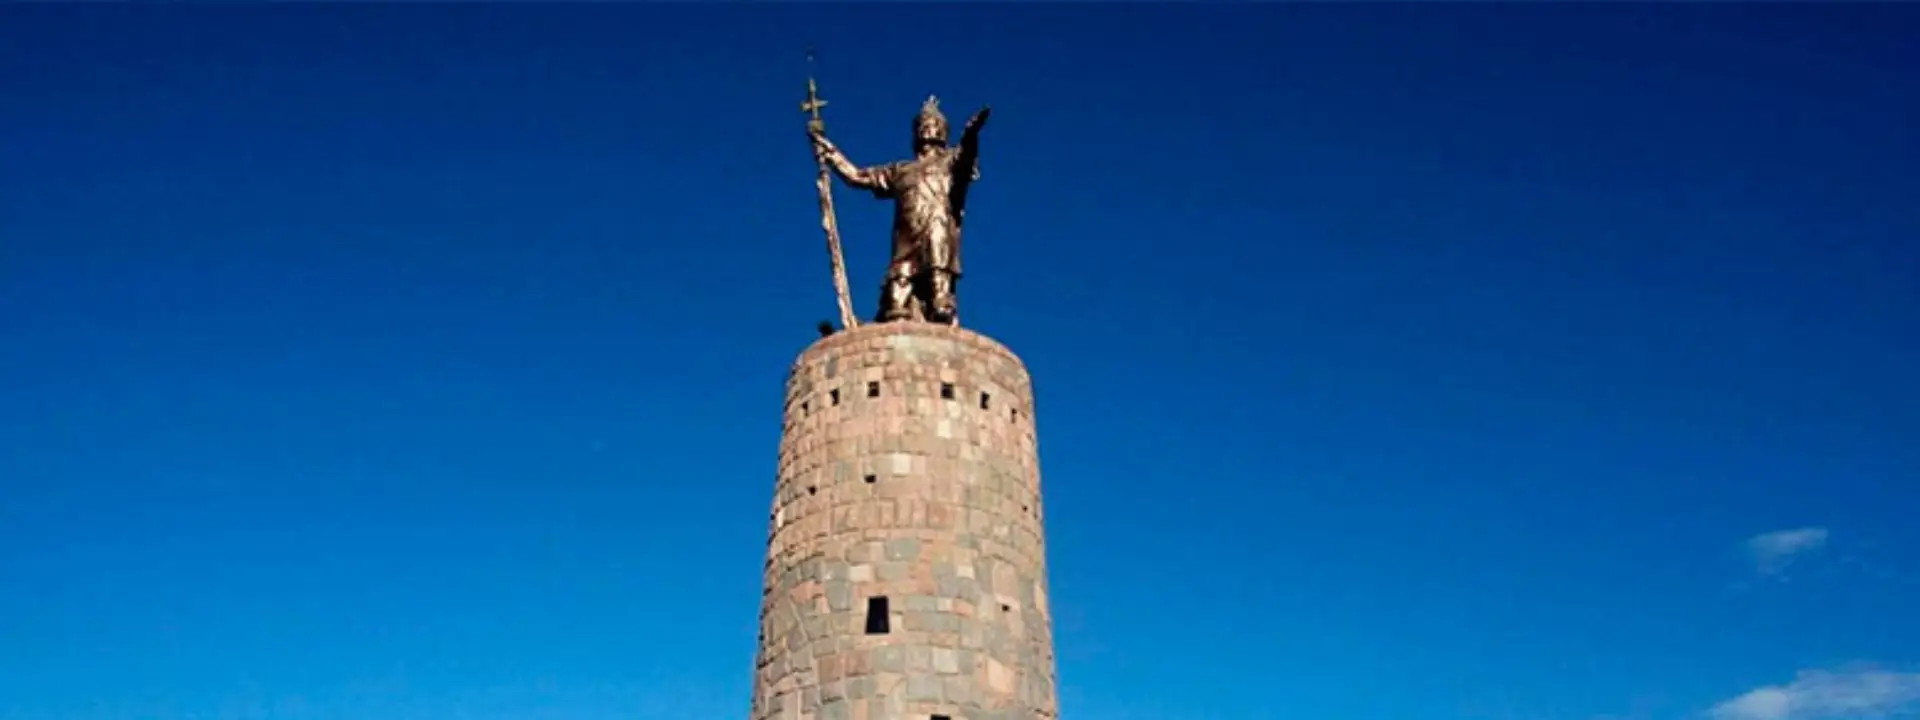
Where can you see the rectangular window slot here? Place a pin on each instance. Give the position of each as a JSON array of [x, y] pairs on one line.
[[984, 398], [941, 717], [873, 389], [834, 395], [806, 408], [871, 479], [946, 393], [877, 623]]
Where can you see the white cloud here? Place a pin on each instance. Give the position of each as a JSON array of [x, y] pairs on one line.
[[1773, 551], [1829, 695]]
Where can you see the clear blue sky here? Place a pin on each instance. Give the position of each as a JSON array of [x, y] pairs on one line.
[[1395, 362]]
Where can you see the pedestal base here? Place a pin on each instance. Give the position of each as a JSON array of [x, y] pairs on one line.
[[906, 565]]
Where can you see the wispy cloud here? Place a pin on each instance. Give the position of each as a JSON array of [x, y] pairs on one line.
[[1773, 551], [1828, 695]]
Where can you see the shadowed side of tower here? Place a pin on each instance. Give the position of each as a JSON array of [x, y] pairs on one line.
[[906, 574]]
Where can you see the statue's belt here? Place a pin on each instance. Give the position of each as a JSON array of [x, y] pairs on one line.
[[922, 271]]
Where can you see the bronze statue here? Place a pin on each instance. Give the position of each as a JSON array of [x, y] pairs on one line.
[[929, 192]]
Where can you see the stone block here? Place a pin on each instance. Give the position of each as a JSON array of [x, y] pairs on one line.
[[923, 688]]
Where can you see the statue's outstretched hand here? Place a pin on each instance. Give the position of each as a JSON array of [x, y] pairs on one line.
[[821, 146], [979, 119]]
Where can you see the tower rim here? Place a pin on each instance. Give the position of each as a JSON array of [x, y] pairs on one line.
[[909, 328]]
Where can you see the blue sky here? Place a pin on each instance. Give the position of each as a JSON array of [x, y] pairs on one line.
[[1517, 362]]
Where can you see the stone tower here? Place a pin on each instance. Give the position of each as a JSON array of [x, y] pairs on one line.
[[905, 573]]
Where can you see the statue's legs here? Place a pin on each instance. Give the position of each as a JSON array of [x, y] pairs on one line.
[[898, 301], [943, 304]]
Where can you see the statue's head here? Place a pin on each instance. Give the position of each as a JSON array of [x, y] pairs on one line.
[[929, 127]]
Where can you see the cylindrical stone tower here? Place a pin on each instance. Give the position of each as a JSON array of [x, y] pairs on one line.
[[906, 573]]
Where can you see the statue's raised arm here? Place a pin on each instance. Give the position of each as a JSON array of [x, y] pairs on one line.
[[966, 166], [969, 159], [875, 178]]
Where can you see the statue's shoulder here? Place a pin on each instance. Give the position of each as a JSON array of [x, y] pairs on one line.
[[958, 156]]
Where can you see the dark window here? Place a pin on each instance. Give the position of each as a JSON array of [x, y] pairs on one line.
[[805, 409], [811, 489], [873, 389], [983, 400], [835, 395], [877, 615], [940, 717], [946, 393], [871, 478]]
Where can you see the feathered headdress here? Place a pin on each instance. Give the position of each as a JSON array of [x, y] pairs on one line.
[[930, 124]]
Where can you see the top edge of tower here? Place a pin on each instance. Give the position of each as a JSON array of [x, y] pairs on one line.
[[881, 335]]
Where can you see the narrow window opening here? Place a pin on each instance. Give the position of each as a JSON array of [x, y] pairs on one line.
[[1015, 415], [984, 398], [941, 717], [811, 489], [873, 389], [871, 479], [834, 395], [1006, 608], [946, 393], [806, 408], [877, 615]]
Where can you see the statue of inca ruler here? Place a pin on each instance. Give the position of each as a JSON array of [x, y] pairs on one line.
[[930, 203]]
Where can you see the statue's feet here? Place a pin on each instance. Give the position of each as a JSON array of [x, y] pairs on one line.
[[905, 314], [944, 315]]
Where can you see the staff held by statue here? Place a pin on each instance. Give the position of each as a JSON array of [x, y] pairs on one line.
[[829, 223]]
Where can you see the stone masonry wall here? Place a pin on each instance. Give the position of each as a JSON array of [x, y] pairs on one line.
[[905, 575]]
